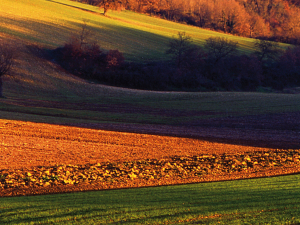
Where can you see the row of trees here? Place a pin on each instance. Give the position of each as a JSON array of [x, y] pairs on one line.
[[277, 20], [216, 66], [219, 66]]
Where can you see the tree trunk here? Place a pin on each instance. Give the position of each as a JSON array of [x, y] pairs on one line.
[[105, 9], [1, 90]]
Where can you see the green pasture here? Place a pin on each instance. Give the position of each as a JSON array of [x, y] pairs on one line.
[[273, 200]]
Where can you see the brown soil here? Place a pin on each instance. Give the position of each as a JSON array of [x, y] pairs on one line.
[[31, 149]]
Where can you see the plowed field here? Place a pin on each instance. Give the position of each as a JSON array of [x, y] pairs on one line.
[[37, 158]]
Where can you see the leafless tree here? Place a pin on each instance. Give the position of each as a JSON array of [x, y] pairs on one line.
[[6, 62], [267, 50], [218, 48], [179, 47]]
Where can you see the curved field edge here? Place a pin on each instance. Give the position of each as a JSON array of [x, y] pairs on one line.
[[257, 201]]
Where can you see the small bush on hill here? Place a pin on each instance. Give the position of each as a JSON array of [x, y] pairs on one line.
[[114, 59]]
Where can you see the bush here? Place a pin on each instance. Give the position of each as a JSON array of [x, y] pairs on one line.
[[82, 60], [114, 59]]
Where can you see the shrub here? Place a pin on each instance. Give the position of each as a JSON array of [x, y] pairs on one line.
[[114, 59]]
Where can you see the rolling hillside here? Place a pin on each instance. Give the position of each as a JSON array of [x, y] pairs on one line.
[[38, 90], [139, 36]]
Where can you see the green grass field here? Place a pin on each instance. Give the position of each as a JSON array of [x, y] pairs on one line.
[[259, 201]]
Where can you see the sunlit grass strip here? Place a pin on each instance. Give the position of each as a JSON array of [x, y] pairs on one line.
[[139, 37], [270, 200]]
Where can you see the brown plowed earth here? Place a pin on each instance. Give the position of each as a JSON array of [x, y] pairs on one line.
[[29, 146]]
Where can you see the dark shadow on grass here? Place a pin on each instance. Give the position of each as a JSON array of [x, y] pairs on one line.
[[75, 7]]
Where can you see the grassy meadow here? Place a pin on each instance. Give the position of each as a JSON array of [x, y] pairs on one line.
[[273, 200]]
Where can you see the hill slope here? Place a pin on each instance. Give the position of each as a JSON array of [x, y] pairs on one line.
[[39, 91], [138, 36]]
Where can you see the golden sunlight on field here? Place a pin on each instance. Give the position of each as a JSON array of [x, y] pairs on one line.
[[26, 144], [37, 158]]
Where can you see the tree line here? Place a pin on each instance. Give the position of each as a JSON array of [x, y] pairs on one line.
[[217, 66], [276, 20]]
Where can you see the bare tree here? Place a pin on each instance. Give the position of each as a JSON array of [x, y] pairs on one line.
[[6, 62], [85, 34], [218, 48], [179, 47], [267, 49], [81, 41]]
